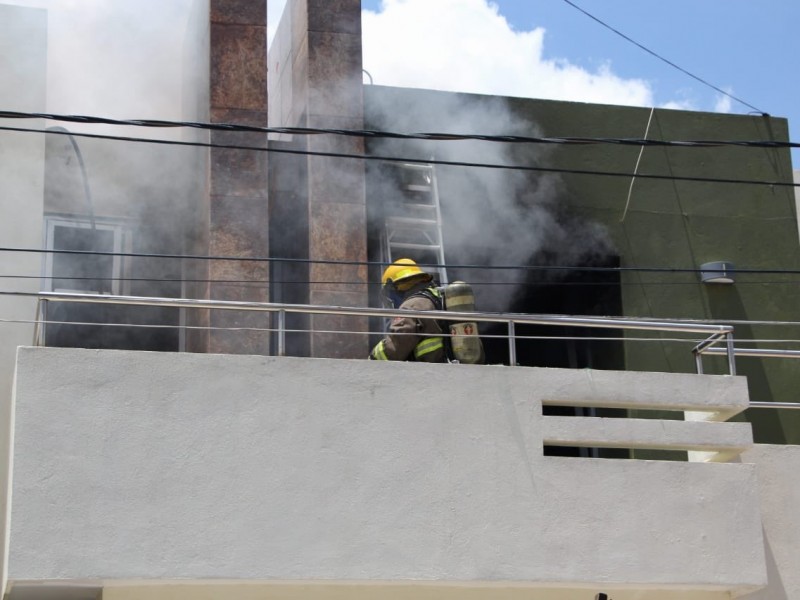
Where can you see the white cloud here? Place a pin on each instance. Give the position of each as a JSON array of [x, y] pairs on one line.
[[678, 105], [723, 103], [467, 45], [100, 63]]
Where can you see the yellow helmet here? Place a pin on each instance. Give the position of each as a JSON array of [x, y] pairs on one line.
[[401, 270]]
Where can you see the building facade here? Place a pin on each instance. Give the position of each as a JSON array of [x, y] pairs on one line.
[[135, 474]]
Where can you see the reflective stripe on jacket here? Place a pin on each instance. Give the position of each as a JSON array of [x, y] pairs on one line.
[[427, 346]]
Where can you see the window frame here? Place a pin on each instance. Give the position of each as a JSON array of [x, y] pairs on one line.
[[121, 244]]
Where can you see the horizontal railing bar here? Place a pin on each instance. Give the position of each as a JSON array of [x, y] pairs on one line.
[[789, 405], [599, 322], [761, 352], [577, 338]]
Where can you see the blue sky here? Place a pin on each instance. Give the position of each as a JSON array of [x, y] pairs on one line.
[[747, 48]]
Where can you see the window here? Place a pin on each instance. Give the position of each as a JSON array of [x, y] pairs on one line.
[[88, 325], [82, 271]]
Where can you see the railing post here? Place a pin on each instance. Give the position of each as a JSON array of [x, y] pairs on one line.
[[512, 345], [731, 353], [698, 361], [37, 326], [281, 333]]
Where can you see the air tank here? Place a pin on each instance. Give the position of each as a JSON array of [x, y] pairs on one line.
[[464, 340]]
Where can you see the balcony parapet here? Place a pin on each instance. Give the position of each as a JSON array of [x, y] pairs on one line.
[[157, 467]]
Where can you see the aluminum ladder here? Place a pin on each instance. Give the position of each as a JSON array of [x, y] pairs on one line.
[[413, 221]]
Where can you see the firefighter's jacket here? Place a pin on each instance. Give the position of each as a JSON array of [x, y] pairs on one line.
[[410, 338]]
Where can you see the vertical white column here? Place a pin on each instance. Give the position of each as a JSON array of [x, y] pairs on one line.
[[23, 44]]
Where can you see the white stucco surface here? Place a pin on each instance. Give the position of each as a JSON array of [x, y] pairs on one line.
[[23, 67], [167, 466], [779, 490], [647, 433]]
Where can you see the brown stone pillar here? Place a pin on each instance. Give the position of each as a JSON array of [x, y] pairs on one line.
[[238, 178], [336, 196]]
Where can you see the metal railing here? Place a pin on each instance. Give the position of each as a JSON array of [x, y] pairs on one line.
[[758, 352], [763, 353], [715, 333], [789, 405]]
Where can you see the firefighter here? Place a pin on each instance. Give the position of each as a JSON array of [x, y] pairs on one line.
[[406, 286]]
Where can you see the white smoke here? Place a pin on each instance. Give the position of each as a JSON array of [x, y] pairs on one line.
[[123, 59], [491, 217], [116, 58]]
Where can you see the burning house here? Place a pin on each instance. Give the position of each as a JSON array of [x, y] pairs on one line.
[[210, 465]]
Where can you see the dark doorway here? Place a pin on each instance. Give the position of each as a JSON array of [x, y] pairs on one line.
[[588, 289]]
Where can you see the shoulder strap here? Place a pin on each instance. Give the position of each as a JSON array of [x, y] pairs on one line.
[[431, 294], [435, 296]]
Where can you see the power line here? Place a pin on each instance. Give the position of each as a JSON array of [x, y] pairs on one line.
[[661, 58], [312, 261], [474, 284], [371, 133], [396, 159], [375, 283]]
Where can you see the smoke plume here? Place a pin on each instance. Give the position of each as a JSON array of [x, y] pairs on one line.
[[491, 217]]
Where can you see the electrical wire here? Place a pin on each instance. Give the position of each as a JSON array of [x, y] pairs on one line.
[[375, 134], [636, 167], [313, 261], [429, 161], [395, 159], [661, 58], [544, 283]]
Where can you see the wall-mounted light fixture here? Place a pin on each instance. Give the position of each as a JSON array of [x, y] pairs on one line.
[[719, 271]]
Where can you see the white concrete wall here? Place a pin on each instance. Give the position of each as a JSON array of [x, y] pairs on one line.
[[158, 466], [779, 491], [23, 48]]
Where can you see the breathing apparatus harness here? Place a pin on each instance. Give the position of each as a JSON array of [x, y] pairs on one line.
[[462, 345], [433, 294]]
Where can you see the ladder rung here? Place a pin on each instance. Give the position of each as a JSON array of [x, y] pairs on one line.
[[414, 226], [415, 166], [409, 221], [405, 246], [413, 236], [419, 205], [413, 187]]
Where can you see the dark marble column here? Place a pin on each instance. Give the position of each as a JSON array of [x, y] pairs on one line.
[[238, 211], [336, 197]]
